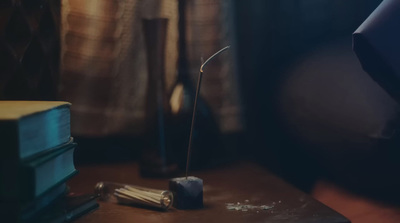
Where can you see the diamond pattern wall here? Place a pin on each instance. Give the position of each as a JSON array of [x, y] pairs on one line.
[[29, 49]]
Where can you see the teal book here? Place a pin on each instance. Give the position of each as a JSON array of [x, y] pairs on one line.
[[31, 127], [67, 209], [17, 211], [30, 178], [40, 203]]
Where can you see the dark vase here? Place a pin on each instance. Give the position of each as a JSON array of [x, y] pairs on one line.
[[206, 134], [156, 159]]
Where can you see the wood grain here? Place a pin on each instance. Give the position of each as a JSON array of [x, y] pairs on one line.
[[230, 184], [356, 208]]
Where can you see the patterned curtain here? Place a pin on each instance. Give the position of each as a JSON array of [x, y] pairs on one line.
[[104, 63], [104, 67]]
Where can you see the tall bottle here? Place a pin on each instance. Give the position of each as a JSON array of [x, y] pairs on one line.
[[155, 159], [206, 142]]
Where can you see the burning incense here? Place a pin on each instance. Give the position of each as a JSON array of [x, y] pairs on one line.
[[195, 105]]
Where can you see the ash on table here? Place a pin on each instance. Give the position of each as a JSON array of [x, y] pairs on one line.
[[246, 206]]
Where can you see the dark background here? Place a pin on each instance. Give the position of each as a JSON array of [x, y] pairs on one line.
[[305, 118], [311, 41]]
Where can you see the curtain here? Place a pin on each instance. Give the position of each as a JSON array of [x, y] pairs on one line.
[[104, 67]]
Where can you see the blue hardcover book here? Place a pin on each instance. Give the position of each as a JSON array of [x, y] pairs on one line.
[[28, 179]]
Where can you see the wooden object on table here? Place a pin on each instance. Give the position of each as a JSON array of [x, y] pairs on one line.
[[231, 184]]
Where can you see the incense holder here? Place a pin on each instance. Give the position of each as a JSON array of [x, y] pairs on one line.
[[188, 192]]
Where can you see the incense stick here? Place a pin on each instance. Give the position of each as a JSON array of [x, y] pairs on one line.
[[195, 105], [150, 197]]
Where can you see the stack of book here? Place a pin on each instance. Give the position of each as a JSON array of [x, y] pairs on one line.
[[36, 157]]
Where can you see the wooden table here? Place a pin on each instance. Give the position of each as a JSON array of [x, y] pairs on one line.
[[244, 182]]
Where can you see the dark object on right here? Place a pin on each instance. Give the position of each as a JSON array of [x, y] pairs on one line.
[[376, 43]]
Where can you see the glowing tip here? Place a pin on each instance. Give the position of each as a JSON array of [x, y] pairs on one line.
[[211, 57]]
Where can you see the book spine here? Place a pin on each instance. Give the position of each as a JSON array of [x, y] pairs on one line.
[[9, 148], [25, 181], [9, 175]]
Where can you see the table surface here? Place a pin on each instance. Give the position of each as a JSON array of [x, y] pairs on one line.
[[243, 182]]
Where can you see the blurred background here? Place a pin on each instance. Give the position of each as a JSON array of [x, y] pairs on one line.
[[289, 94]]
